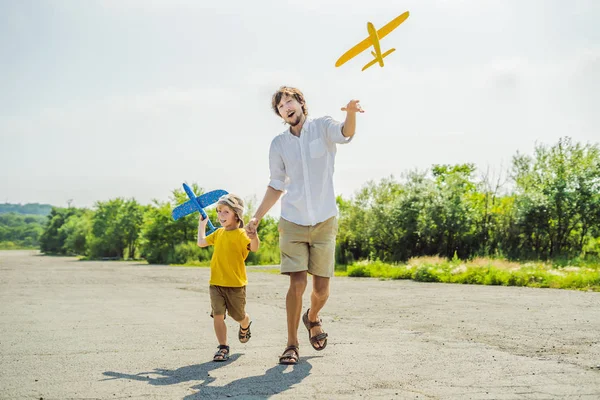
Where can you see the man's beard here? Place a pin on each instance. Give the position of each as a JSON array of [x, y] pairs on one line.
[[297, 121]]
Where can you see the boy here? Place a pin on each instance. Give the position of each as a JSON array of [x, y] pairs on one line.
[[228, 278]]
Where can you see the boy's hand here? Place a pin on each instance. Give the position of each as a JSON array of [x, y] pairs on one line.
[[251, 227], [202, 231], [353, 107], [252, 235]]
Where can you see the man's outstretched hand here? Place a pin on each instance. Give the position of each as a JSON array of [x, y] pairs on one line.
[[353, 107]]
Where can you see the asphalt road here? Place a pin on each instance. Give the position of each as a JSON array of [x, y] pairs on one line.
[[113, 330]]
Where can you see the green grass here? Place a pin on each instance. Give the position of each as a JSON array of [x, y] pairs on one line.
[[479, 271], [15, 246], [272, 271], [206, 264], [482, 271]]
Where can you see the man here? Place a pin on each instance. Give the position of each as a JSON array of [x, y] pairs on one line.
[[301, 163]]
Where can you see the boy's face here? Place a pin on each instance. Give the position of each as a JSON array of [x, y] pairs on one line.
[[290, 110], [227, 217]]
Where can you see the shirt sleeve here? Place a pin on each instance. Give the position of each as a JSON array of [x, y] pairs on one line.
[[210, 239], [333, 130], [276, 168], [245, 240]]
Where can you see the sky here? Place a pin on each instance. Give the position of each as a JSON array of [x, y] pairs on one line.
[[131, 98]]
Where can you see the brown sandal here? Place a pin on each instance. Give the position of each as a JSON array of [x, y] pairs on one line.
[[222, 354], [290, 359], [244, 333], [314, 340]]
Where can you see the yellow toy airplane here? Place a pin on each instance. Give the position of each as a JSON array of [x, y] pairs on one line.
[[373, 40]]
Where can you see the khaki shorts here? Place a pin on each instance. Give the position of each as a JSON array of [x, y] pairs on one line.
[[230, 299], [308, 248]]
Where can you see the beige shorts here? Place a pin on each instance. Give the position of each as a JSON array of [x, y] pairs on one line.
[[230, 299], [308, 248]]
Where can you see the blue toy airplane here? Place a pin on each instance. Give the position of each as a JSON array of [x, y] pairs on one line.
[[198, 204]]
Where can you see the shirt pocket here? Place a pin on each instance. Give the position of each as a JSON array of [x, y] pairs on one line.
[[317, 148]]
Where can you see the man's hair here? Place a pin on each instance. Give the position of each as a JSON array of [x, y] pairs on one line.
[[289, 91]]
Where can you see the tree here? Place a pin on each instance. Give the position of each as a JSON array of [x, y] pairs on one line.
[[115, 228], [457, 212], [52, 240], [558, 196], [76, 231], [161, 235]]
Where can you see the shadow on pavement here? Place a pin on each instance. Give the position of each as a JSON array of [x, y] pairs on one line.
[[275, 380], [172, 377]]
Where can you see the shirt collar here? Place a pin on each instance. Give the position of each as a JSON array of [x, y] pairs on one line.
[[306, 122]]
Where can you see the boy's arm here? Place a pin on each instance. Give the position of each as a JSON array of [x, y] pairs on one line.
[[202, 232], [254, 242]]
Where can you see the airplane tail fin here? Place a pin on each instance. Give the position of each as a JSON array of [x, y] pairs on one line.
[[377, 59]]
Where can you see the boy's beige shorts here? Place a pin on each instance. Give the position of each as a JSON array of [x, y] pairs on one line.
[[308, 248], [230, 299]]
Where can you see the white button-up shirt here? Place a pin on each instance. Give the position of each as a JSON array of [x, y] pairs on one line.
[[303, 168]]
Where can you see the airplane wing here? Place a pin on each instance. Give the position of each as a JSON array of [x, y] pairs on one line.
[[365, 44], [370, 64], [209, 198], [204, 201], [353, 52], [377, 59], [184, 209]]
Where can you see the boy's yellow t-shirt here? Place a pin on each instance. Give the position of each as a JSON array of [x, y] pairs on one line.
[[227, 266]]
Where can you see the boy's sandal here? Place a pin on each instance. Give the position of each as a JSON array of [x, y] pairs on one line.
[[222, 354], [314, 340], [288, 358], [244, 333]]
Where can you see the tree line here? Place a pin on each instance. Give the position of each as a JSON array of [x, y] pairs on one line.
[[545, 206], [28, 209], [124, 229], [20, 230]]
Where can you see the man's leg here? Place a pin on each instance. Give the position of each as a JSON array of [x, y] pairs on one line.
[[294, 261], [293, 305], [321, 267], [318, 298]]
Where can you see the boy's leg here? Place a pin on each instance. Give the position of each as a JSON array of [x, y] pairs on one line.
[[220, 328], [244, 322], [236, 308], [217, 303], [244, 331]]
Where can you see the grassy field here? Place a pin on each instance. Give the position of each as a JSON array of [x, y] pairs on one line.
[[479, 271], [15, 246], [483, 271]]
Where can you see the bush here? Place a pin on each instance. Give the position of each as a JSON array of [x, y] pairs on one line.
[[425, 274], [264, 256], [359, 271], [189, 253]]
